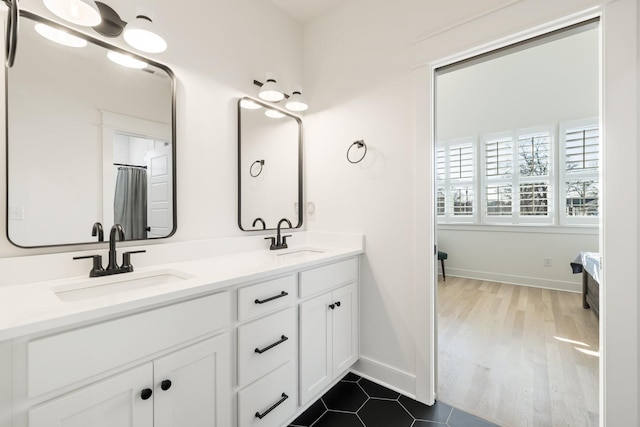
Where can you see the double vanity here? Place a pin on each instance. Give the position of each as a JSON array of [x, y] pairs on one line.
[[243, 337], [220, 332]]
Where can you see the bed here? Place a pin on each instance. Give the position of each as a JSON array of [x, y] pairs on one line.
[[588, 263]]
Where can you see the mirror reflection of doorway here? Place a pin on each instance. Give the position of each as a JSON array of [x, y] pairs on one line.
[[517, 201]]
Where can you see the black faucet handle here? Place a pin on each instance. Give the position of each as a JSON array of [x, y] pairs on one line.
[[284, 241], [273, 241], [126, 259], [97, 264]]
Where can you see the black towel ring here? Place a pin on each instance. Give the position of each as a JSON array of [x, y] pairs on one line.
[[259, 163], [358, 144]]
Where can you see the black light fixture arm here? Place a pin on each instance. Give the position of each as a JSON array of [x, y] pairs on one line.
[[11, 36], [260, 84]]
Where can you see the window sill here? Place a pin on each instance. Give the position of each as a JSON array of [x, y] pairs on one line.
[[521, 228]]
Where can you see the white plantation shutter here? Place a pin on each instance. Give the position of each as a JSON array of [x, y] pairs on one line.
[[581, 192], [456, 165]]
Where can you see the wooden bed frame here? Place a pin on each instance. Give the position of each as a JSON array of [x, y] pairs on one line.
[[590, 293]]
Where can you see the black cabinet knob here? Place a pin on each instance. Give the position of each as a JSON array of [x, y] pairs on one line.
[[165, 385], [337, 303], [146, 393], [332, 306]]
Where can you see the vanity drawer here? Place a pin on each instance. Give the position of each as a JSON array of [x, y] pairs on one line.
[[62, 359], [265, 297], [266, 344], [328, 277], [265, 394]]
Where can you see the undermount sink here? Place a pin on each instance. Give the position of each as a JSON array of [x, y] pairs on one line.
[[301, 253], [110, 285]]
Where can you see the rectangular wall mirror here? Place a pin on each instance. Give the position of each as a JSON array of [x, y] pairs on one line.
[[269, 166], [88, 140]]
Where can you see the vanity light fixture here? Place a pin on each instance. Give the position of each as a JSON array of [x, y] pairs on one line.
[[249, 104], [140, 35], [274, 114], [271, 91], [59, 36], [79, 12], [126, 60], [297, 102]]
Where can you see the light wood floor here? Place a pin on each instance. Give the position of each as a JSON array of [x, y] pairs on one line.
[[517, 356]]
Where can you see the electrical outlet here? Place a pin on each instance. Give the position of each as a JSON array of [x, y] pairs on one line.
[[547, 262]]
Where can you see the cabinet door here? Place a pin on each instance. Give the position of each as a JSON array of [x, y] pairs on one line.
[[315, 346], [193, 385], [114, 402], [345, 328]]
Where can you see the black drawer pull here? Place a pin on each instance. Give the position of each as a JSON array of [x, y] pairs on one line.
[[280, 341], [165, 385], [146, 393], [265, 413], [280, 295]]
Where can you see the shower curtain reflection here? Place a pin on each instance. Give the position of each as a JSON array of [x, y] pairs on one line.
[[130, 202]]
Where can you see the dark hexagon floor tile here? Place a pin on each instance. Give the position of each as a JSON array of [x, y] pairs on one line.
[[310, 416], [341, 419], [384, 413], [463, 419], [351, 377], [420, 423], [376, 390], [345, 396], [439, 412]]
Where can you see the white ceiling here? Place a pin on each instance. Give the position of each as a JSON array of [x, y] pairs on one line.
[[305, 10]]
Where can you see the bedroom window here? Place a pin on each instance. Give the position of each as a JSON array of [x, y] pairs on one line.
[[580, 150], [455, 190], [517, 177], [509, 178]]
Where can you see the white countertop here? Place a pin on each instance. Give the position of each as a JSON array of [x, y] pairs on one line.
[[34, 307]]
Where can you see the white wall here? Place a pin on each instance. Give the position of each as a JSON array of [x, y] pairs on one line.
[[358, 76]]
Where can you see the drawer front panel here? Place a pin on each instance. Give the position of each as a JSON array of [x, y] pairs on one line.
[[272, 397], [266, 344], [265, 297], [327, 277], [65, 358]]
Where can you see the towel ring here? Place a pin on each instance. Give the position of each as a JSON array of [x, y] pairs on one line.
[[358, 144], [260, 163]]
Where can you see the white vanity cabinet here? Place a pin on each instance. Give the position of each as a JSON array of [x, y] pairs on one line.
[[189, 387], [245, 353], [172, 368], [328, 326]]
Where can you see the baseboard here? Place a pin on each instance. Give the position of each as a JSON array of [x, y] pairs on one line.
[[557, 285], [388, 376]]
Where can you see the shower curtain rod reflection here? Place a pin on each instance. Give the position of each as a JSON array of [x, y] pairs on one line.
[[131, 166]]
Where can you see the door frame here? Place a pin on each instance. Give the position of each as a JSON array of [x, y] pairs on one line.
[[618, 233]]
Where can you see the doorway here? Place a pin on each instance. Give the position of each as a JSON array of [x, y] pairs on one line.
[[514, 208]]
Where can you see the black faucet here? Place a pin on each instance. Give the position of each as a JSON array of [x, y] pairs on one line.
[[264, 226], [112, 267], [119, 231], [98, 231], [279, 242]]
